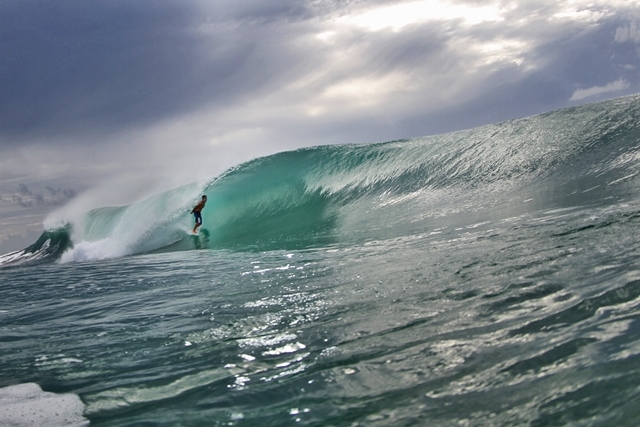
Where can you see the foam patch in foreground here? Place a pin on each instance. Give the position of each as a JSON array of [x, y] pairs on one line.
[[27, 405]]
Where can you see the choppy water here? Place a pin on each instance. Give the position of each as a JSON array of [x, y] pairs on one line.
[[486, 278]]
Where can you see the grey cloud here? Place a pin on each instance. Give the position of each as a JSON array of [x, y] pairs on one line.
[[61, 194], [26, 198], [23, 190]]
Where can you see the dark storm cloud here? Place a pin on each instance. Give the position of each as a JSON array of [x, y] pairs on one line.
[[73, 63], [78, 66]]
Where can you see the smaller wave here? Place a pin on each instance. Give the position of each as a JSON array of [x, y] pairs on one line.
[[50, 245]]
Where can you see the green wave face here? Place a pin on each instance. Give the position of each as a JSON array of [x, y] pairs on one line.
[[351, 194]]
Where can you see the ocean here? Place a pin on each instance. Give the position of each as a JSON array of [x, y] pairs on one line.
[[486, 277]]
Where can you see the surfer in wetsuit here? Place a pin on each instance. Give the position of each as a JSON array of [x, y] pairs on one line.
[[196, 213]]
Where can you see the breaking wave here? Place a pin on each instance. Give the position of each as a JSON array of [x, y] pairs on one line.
[[353, 193]]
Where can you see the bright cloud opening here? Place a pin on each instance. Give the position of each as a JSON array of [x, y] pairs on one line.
[[401, 15], [362, 92], [503, 51]]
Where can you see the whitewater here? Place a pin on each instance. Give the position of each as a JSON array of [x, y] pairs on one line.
[[486, 277]]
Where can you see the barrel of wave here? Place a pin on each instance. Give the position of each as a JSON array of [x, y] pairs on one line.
[[143, 226]]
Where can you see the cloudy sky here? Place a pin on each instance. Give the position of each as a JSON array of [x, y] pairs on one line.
[[120, 98]]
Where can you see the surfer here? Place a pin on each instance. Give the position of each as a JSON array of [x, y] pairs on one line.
[[196, 213]]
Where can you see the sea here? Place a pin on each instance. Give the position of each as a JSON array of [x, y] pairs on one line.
[[485, 277]]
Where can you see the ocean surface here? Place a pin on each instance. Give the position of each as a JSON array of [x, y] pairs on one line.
[[487, 277]]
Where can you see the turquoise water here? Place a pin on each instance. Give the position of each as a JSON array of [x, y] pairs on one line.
[[484, 277]]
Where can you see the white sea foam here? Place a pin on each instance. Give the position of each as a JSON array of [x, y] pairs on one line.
[[93, 251], [27, 405]]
